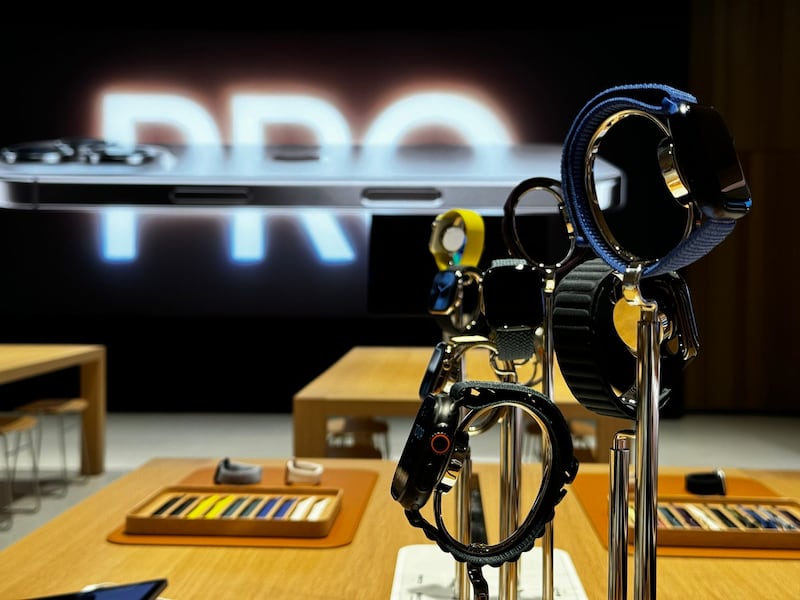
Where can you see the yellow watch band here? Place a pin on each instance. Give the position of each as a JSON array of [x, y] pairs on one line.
[[457, 238]]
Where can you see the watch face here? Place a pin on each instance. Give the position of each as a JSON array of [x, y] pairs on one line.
[[708, 163], [427, 452], [457, 238], [512, 296], [431, 381], [448, 238], [444, 292]]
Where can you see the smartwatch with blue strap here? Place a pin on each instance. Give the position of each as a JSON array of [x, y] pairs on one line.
[[698, 162]]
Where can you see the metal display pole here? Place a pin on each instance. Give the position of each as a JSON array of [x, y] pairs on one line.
[[510, 467], [646, 493], [648, 364], [547, 389], [463, 518], [464, 521], [620, 461]]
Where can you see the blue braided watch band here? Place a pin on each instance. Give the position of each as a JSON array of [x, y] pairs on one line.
[[654, 99]]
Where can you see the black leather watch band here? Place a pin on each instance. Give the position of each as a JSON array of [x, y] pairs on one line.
[[597, 365]]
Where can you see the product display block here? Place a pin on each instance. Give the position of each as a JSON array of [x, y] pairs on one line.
[[270, 513], [726, 521], [736, 532], [230, 510]]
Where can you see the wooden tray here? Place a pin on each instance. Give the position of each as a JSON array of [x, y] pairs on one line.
[[725, 521], [279, 511]]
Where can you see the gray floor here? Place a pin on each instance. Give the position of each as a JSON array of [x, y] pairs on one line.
[[702, 441]]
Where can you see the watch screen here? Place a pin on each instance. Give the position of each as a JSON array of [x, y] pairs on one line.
[[707, 159], [512, 297], [430, 379], [413, 478], [443, 291]]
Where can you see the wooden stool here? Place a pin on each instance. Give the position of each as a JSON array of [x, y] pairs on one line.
[[359, 434], [19, 425], [62, 409]]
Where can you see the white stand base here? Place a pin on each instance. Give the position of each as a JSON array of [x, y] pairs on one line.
[[426, 572]]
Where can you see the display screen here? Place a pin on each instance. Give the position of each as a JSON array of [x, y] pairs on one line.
[[443, 291], [229, 87], [512, 297], [173, 285]]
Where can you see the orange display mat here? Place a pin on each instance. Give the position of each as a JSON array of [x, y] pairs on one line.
[[592, 489], [356, 485]]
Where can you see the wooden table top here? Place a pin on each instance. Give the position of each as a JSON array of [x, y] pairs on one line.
[[394, 373], [72, 550], [18, 361]]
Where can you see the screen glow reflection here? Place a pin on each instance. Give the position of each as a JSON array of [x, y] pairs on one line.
[[251, 117]]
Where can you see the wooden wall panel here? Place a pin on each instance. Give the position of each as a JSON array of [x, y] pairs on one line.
[[745, 60]]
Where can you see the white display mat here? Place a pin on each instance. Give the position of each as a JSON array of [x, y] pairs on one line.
[[426, 572]]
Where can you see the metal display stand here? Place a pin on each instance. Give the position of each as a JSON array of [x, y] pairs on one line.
[[646, 469], [548, 390], [510, 467], [510, 471]]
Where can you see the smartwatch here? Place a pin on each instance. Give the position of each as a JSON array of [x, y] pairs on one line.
[[435, 452], [433, 442], [512, 303], [444, 365], [696, 158], [596, 361], [454, 300], [457, 238], [445, 368]]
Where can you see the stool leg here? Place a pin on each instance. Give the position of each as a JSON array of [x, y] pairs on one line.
[[6, 514], [386, 445], [37, 492], [82, 477], [61, 489]]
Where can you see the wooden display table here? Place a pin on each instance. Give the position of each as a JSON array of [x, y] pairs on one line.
[[384, 381], [72, 550]]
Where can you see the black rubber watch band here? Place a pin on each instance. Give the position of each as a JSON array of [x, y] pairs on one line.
[[560, 470], [597, 366]]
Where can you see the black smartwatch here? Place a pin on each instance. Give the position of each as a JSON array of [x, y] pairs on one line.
[[597, 362], [512, 303], [697, 160], [445, 368], [434, 440], [438, 444], [454, 300]]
